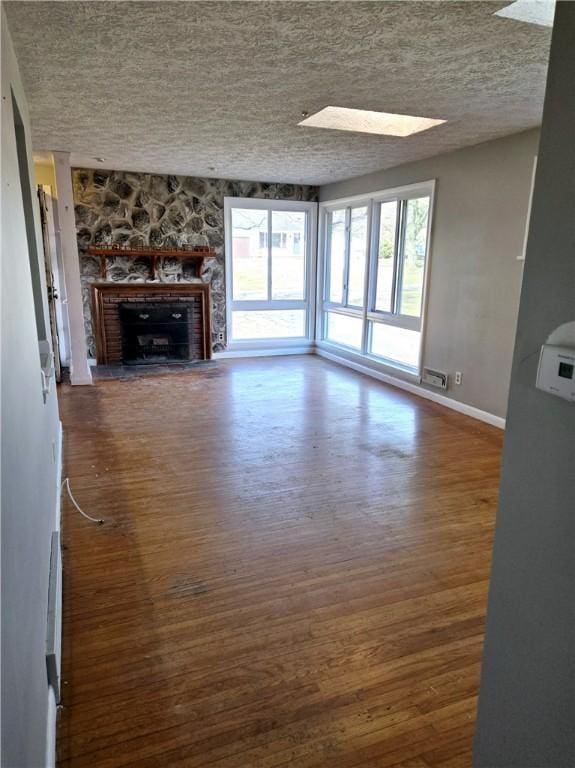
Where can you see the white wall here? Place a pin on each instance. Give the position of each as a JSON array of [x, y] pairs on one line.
[[481, 202], [29, 445]]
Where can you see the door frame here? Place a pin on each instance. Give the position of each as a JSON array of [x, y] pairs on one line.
[[54, 277]]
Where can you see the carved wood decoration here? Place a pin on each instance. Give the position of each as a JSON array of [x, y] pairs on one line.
[[192, 252], [106, 300]]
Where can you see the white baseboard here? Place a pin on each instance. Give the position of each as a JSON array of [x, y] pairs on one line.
[[415, 389], [263, 352], [51, 723]]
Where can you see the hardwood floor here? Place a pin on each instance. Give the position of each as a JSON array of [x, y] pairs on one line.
[[292, 572]]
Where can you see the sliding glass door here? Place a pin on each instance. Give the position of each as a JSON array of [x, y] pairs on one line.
[[375, 258], [270, 249]]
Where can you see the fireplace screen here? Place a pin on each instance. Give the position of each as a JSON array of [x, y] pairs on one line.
[[154, 333]]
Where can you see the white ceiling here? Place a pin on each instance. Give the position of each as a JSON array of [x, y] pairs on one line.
[[217, 88]]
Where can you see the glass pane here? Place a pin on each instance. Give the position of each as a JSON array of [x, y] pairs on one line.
[[342, 329], [249, 254], [288, 254], [336, 241], [357, 256], [268, 324], [386, 256], [414, 256], [398, 344]]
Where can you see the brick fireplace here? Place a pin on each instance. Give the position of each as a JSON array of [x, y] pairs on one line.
[[144, 323]]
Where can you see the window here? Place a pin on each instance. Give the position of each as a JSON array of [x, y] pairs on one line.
[[336, 255], [375, 257], [250, 273], [347, 256], [386, 256], [395, 344], [357, 257], [413, 256], [288, 263], [270, 324], [344, 329], [269, 259]]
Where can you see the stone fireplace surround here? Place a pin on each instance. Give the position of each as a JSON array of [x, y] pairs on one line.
[[107, 299], [141, 209]]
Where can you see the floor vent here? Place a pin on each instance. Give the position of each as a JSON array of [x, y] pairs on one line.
[[434, 378], [54, 625]]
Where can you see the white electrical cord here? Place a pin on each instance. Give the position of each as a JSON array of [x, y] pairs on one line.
[[66, 482]]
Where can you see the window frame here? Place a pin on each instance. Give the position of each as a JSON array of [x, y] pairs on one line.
[[344, 304], [368, 312], [310, 254]]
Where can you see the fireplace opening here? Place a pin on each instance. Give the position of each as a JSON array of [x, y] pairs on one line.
[[154, 333], [171, 319]]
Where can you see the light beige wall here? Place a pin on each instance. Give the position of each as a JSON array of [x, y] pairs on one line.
[[45, 174], [482, 195]]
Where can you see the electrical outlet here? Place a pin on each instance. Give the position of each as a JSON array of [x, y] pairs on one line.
[[458, 377], [221, 336]]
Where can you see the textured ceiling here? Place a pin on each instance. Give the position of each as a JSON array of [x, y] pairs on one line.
[[217, 88]]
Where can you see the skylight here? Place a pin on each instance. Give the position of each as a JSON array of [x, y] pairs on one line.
[[530, 11], [364, 121]]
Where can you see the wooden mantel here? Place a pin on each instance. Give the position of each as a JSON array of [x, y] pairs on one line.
[[195, 252]]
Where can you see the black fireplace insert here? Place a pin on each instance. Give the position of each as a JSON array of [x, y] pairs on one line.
[[154, 332]]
